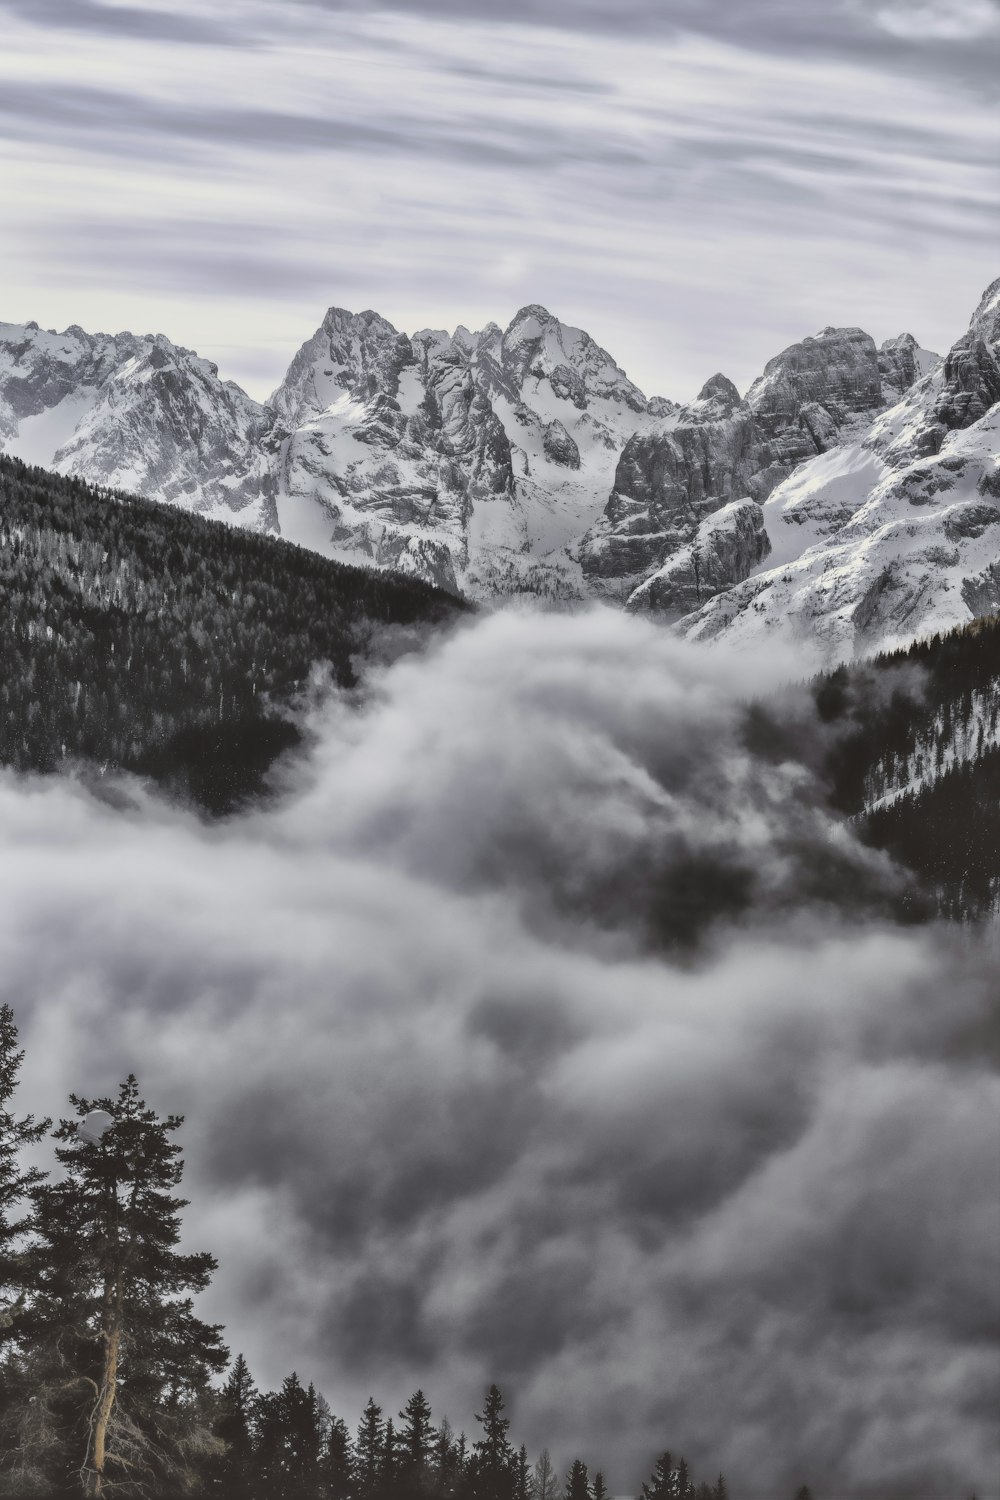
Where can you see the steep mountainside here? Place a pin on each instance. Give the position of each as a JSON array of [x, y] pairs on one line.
[[470, 460], [913, 753], [136, 636], [892, 534], [849, 499]]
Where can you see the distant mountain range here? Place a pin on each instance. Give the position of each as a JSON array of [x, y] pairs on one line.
[[851, 498]]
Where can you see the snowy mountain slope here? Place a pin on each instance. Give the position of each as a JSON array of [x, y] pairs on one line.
[[811, 399], [134, 413], [478, 458], [853, 485], [892, 535]]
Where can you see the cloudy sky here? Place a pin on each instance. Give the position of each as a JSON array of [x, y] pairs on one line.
[[696, 182], [460, 1109]]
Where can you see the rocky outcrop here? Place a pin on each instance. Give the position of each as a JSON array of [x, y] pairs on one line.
[[40, 369], [891, 534], [971, 383], [135, 413], [985, 321], [838, 369], [901, 361], [956, 394], [559, 446], [536, 347], [668, 480], [726, 548], [354, 354]]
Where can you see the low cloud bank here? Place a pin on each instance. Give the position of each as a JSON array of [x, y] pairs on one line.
[[544, 1033]]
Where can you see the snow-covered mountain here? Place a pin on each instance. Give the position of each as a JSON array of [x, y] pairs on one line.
[[137, 414], [850, 497], [893, 531], [472, 460]]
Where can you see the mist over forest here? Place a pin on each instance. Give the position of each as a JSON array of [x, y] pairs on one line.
[[542, 1029]]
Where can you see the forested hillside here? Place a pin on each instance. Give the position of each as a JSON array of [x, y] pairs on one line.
[[138, 636], [915, 759]]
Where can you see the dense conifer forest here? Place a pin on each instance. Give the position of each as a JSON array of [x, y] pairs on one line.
[[137, 636]]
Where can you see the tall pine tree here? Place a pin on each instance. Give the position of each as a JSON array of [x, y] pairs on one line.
[[492, 1464], [233, 1471], [17, 1182], [121, 1359], [577, 1481]]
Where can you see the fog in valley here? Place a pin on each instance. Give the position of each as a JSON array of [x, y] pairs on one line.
[[545, 1028]]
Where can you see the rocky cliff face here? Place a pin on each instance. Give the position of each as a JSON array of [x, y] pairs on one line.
[[889, 535], [700, 458], [727, 546], [851, 485], [694, 461], [134, 413]]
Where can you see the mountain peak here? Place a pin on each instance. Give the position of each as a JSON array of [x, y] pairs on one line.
[[719, 387], [985, 321], [533, 312]]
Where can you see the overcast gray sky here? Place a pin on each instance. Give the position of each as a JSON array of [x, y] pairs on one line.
[[696, 182]]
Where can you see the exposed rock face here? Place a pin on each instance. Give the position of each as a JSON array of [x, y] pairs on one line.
[[536, 346], [985, 322], [559, 446], [956, 394], [726, 548], [839, 369], [354, 354], [902, 361], [971, 383], [668, 481], [39, 369], [485, 461], [806, 394], [892, 534], [493, 445], [697, 459], [135, 413]]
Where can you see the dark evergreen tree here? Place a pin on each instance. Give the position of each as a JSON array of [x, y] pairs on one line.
[[683, 1485], [523, 1488], [577, 1481], [803, 1493], [289, 1443], [392, 1463], [721, 1491], [337, 1468], [491, 1467], [370, 1450], [17, 1182], [447, 1460], [415, 1440], [600, 1490], [120, 1361], [233, 1471], [661, 1482]]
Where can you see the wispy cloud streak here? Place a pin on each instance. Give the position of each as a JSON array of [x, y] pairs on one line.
[[697, 187]]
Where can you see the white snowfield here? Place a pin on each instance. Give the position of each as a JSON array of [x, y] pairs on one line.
[[851, 501]]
